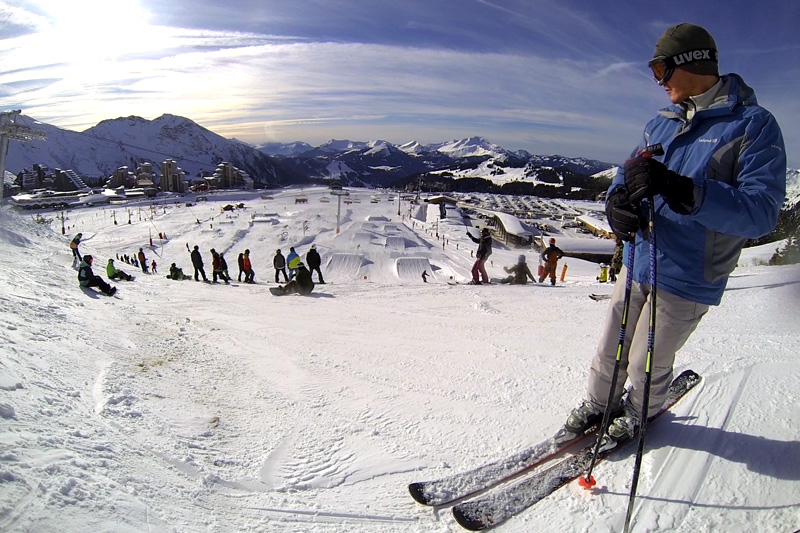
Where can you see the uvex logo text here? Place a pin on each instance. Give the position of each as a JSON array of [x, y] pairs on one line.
[[706, 54]]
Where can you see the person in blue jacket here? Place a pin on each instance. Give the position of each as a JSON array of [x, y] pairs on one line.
[[292, 261], [720, 181]]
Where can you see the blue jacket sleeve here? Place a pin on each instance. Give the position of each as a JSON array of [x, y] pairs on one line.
[[750, 207]]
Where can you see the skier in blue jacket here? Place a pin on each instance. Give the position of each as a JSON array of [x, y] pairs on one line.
[[720, 181]]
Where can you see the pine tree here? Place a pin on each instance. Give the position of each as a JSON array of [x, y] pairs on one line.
[[789, 255]]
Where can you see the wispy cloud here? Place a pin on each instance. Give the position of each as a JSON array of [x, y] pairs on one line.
[[547, 77]]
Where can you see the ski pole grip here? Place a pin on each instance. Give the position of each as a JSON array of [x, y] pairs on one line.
[[650, 150]]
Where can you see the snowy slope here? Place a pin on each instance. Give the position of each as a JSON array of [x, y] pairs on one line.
[[182, 406]]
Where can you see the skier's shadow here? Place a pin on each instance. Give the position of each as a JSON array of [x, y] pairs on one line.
[[765, 456]]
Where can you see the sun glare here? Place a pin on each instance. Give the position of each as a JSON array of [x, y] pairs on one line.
[[92, 30]]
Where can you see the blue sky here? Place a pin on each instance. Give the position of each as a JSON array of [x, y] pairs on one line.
[[552, 77]]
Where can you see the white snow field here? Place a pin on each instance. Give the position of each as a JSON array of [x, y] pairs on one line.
[[179, 406]]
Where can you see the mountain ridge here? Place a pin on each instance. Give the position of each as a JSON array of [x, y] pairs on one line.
[[98, 151]]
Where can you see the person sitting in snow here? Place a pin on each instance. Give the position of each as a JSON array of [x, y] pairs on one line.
[[603, 277], [114, 273], [302, 283], [176, 273], [519, 273], [87, 278]]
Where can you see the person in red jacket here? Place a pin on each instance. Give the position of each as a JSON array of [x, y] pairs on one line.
[[249, 275]]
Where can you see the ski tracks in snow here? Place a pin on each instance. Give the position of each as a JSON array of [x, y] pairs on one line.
[[711, 435]]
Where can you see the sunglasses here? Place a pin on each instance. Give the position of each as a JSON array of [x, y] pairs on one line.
[[664, 66]]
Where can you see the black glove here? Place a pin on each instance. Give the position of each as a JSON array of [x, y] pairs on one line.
[[646, 177], [622, 216]]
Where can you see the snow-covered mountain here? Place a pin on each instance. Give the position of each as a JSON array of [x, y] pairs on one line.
[[285, 149], [130, 141], [470, 147], [383, 163]]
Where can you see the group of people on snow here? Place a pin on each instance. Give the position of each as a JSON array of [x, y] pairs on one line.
[[298, 279], [520, 273], [293, 263], [139, 260]]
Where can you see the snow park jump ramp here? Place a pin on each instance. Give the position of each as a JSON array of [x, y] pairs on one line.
[[361, 237], [344, 267], [396, 242], [412, 267]]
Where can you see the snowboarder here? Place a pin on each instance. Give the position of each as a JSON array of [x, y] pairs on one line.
[[113, 273], [197, 263], [314, 261], [223, 267], [216, 268], [702, 219], [176, 273], [87, 278], [292, 260], [279, 262], [483, 253], [153, 266], [603, 277], [550, 256], [142, 260], [302, 284], [249, 274], [519, 272], [240, 261], [76, 254]]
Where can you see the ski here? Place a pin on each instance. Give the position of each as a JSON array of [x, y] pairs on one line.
[[463, 484], [598, 297], [496, 508]]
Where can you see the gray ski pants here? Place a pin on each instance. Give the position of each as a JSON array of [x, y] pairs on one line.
[[676, 319]]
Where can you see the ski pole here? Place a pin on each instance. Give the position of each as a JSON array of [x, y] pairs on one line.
[[587, 481], [651, 334]]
